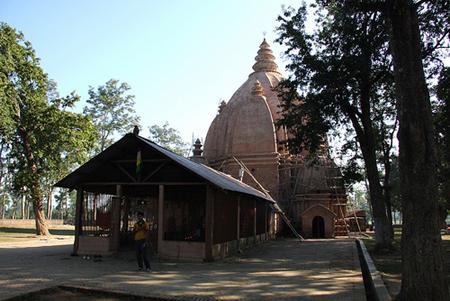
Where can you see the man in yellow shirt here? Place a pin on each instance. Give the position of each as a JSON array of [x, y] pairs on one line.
[[140, 231]]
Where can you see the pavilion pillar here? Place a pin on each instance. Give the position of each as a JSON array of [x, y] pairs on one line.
[[238, 224], [126, 211], [78, 220], [209, 224], [265, 222], [160, 217], [254, 221], [115, 219]]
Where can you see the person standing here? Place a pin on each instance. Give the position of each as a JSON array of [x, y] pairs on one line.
[[140, 230]]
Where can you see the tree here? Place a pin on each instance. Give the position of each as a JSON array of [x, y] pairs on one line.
[[42, 135], [112, 111], [419, 32], [442, 125], [169, 138], [418, 162], [423, 276], [342, 75]]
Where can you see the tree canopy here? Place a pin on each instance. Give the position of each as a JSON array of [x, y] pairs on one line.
[[43, 140], [169, 138], [111, 108], [341, 78]]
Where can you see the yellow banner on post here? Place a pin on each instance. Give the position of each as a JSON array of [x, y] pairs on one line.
[[138, 163]]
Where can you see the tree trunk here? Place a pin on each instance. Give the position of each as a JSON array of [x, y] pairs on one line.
[[387, 192], [383, 228], [50, 204], [363, 125], [61, 211], [28, 209], [366, 140], [35, 187], [423, 276], [23, 204]]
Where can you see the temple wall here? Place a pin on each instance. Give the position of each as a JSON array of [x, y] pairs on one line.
[[182, 250]]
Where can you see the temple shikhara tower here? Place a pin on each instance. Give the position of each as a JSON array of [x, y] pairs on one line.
[[312, 194]]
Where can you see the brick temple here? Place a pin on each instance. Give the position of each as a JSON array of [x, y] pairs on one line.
[[311, 194]]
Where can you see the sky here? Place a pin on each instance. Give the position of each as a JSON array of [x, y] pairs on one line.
[[181, 58]]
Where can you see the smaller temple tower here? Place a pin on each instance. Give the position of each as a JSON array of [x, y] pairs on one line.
[[197, 152]]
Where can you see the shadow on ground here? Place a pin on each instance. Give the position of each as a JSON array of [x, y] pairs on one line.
[[276, 270], [33, 231]]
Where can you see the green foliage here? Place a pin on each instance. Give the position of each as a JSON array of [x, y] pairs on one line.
[[44, 139], [65, 205], [341, 81], [341, 73], [360, 200], [169, 138], [112, 111], [341, 84]]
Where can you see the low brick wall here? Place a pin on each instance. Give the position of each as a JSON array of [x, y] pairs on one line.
[[373, 283], [27, 223]]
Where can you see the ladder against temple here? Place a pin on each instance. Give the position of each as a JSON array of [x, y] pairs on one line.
[[318, 200]]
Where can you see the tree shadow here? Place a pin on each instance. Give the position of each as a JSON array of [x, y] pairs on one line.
[[33, 231]]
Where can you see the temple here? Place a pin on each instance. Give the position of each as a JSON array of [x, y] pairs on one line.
[[195, 212], [223, 199], [311, 192]]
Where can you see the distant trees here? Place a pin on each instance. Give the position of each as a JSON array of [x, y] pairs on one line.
[[43, 140], [111, 108], [65, 205], [169, 138]]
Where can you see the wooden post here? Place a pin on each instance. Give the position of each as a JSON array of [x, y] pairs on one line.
[[126, 210], [78, 220], [115, 219], [160, 217], [254, 221], [265, 222], [238, 232], [209, 224], [119, 191]]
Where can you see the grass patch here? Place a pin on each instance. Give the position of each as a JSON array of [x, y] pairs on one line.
[[389, 263], [18, 234]]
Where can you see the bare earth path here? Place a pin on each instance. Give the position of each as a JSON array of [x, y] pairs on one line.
[[277, 270]]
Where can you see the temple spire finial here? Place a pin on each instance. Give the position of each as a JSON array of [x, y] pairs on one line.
[[265, 60], [257, 89]]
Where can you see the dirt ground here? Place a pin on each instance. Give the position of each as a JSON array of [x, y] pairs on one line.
[[276, 270]]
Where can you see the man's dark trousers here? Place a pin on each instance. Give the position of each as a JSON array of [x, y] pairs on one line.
[[141, 253]]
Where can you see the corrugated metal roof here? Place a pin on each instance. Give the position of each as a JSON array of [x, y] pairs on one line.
[[213, 176]]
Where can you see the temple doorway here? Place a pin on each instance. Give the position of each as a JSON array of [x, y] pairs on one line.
[[318, 227]]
